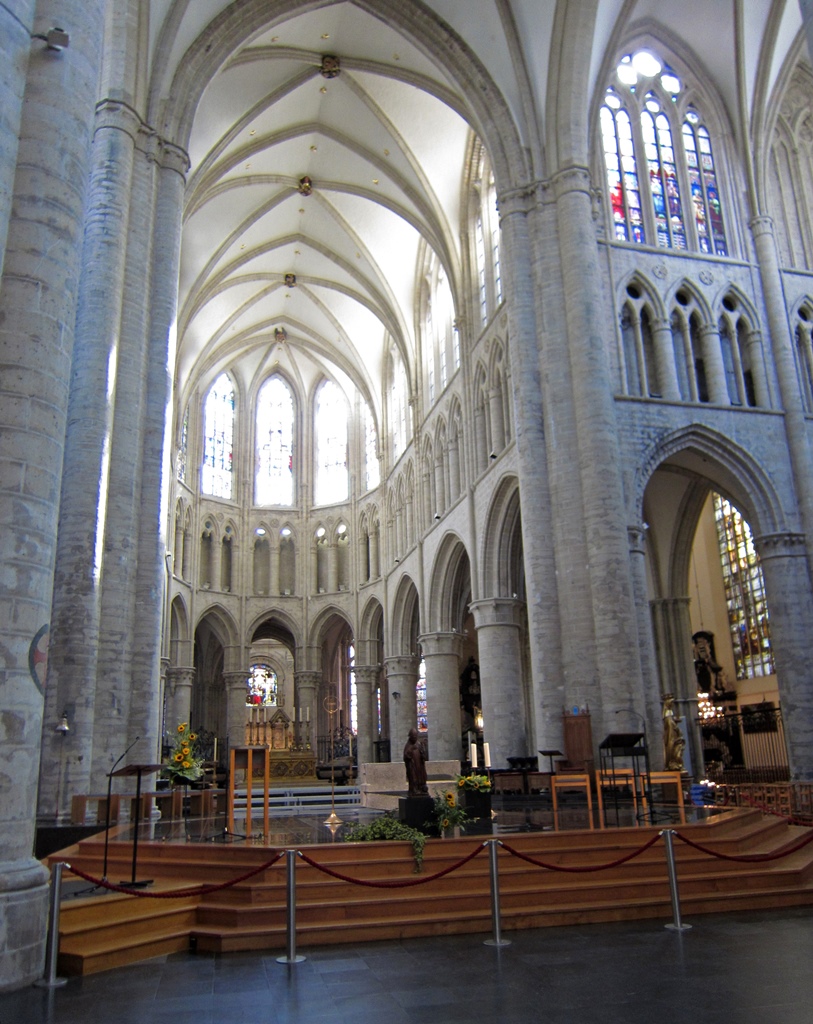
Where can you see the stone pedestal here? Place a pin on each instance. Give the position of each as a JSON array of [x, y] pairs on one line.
[[415, 811]]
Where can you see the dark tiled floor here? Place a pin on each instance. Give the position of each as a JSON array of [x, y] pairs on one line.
[[729, 969]]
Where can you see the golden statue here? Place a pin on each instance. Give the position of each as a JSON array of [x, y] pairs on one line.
[[673, 742]]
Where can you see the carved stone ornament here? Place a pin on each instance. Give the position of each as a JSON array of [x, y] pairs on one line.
[[305, 186], [706, 277], [660, 271], [290, 280], [280, 334], [330, 66]]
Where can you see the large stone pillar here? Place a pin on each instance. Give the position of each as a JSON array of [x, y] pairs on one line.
[[306, 685], [80, 556], [150, 579], [783, 561], [402, 678], [785, 363], [505, 707], [441, 653], [665, 360], [180, 682], [38, 298], [236, 710], [713, 365], [366, 678]]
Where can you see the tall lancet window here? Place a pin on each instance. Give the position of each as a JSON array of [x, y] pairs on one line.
[[663, 182], [622, 174], [705, 191], [274, 444], [371, 463], [398, 406], [218, 438], [331, 444]]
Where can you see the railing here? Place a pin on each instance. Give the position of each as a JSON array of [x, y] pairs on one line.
[[746, 747]]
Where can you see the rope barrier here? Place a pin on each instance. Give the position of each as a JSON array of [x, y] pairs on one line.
[[749, 858], [176, 894], [581, 868], [392, 885], [789, 818]]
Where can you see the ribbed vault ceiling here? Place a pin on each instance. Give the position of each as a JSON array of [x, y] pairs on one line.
[[385, 147]]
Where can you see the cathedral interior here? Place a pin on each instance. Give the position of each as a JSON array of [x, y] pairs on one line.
[[371, 365]]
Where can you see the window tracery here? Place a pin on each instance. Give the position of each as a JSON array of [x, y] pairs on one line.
[[274, 476], [330, 428], [218, 438], [657, 151]]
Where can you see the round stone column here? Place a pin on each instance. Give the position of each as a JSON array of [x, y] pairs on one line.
[[180, 683], [787, 581], [307, 688], [236, 710], [38, 299], [402, 678], [441, 654], [366, 678], [505, 711]]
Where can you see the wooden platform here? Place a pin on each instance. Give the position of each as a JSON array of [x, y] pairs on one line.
[[103, 932]]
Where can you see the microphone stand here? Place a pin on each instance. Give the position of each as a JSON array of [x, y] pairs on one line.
[[109, 793]]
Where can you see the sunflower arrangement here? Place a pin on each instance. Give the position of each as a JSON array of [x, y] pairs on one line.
[[474, 783], [448, 813], [184, 765]]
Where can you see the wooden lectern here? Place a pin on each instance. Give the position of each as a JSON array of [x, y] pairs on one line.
[[138, 770], [243, 758]]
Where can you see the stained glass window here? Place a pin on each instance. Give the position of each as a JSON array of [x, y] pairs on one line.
[[495, 239], [420, 697], [480, 253], [218, 438], [261, 685], [372, 466], [398, 407], [748, 616], [663, 184], [274, 477], [705, 192], [354, 702], [668, 157], [183, 447], [622, 174], [331, 444]]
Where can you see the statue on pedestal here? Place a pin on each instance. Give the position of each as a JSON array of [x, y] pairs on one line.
[[415, 761], [673, 742]]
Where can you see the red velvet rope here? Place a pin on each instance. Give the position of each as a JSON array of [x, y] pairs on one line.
[[752, 858], [586, 867], [392, 885], [176, 894], [790, 819]]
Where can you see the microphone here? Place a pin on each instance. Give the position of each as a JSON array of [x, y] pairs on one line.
[[126, 752]]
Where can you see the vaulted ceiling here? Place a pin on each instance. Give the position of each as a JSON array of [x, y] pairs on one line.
[[384, 143]]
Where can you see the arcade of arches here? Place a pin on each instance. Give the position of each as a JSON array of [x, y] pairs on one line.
[[347, 341]]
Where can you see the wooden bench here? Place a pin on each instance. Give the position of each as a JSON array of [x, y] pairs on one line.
[[79, 808]]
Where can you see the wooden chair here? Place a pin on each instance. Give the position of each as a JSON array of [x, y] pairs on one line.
[[571, 781]]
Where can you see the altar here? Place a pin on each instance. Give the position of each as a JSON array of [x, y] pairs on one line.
[[291, 759]]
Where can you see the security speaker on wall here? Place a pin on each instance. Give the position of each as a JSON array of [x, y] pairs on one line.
[[54, 39]]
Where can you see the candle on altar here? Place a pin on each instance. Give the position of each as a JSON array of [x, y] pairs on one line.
[[214, 754], [487, 755], [473, 755], [308, 713]]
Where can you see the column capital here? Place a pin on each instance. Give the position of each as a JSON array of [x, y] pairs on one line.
[[497, 611], [572, 179], [367, 674], [761, 226], [312, 679], [441, 643], [780, 545], [233, 680], [403, 664], [118, 115]]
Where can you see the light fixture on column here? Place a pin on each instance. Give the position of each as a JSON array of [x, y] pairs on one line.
[[493, 456], [63, 726], [55, 38], [437, 515]]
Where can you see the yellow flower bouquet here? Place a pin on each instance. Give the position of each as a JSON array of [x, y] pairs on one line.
[[184, 765], [448, 813]]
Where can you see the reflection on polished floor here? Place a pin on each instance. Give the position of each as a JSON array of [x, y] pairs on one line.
[[747, 968]]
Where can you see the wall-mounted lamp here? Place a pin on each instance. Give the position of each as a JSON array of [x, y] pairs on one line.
[[63, 726], [397, 560], [396, 695], [493, 455], [55, 38], [437, 515]]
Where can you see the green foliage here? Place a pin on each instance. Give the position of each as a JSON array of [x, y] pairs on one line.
[[448, 813], [474, 783], [387, 827]]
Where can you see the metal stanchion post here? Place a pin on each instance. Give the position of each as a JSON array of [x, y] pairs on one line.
[[50, 979], [290, 865], [676, 925], [495, 896]]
